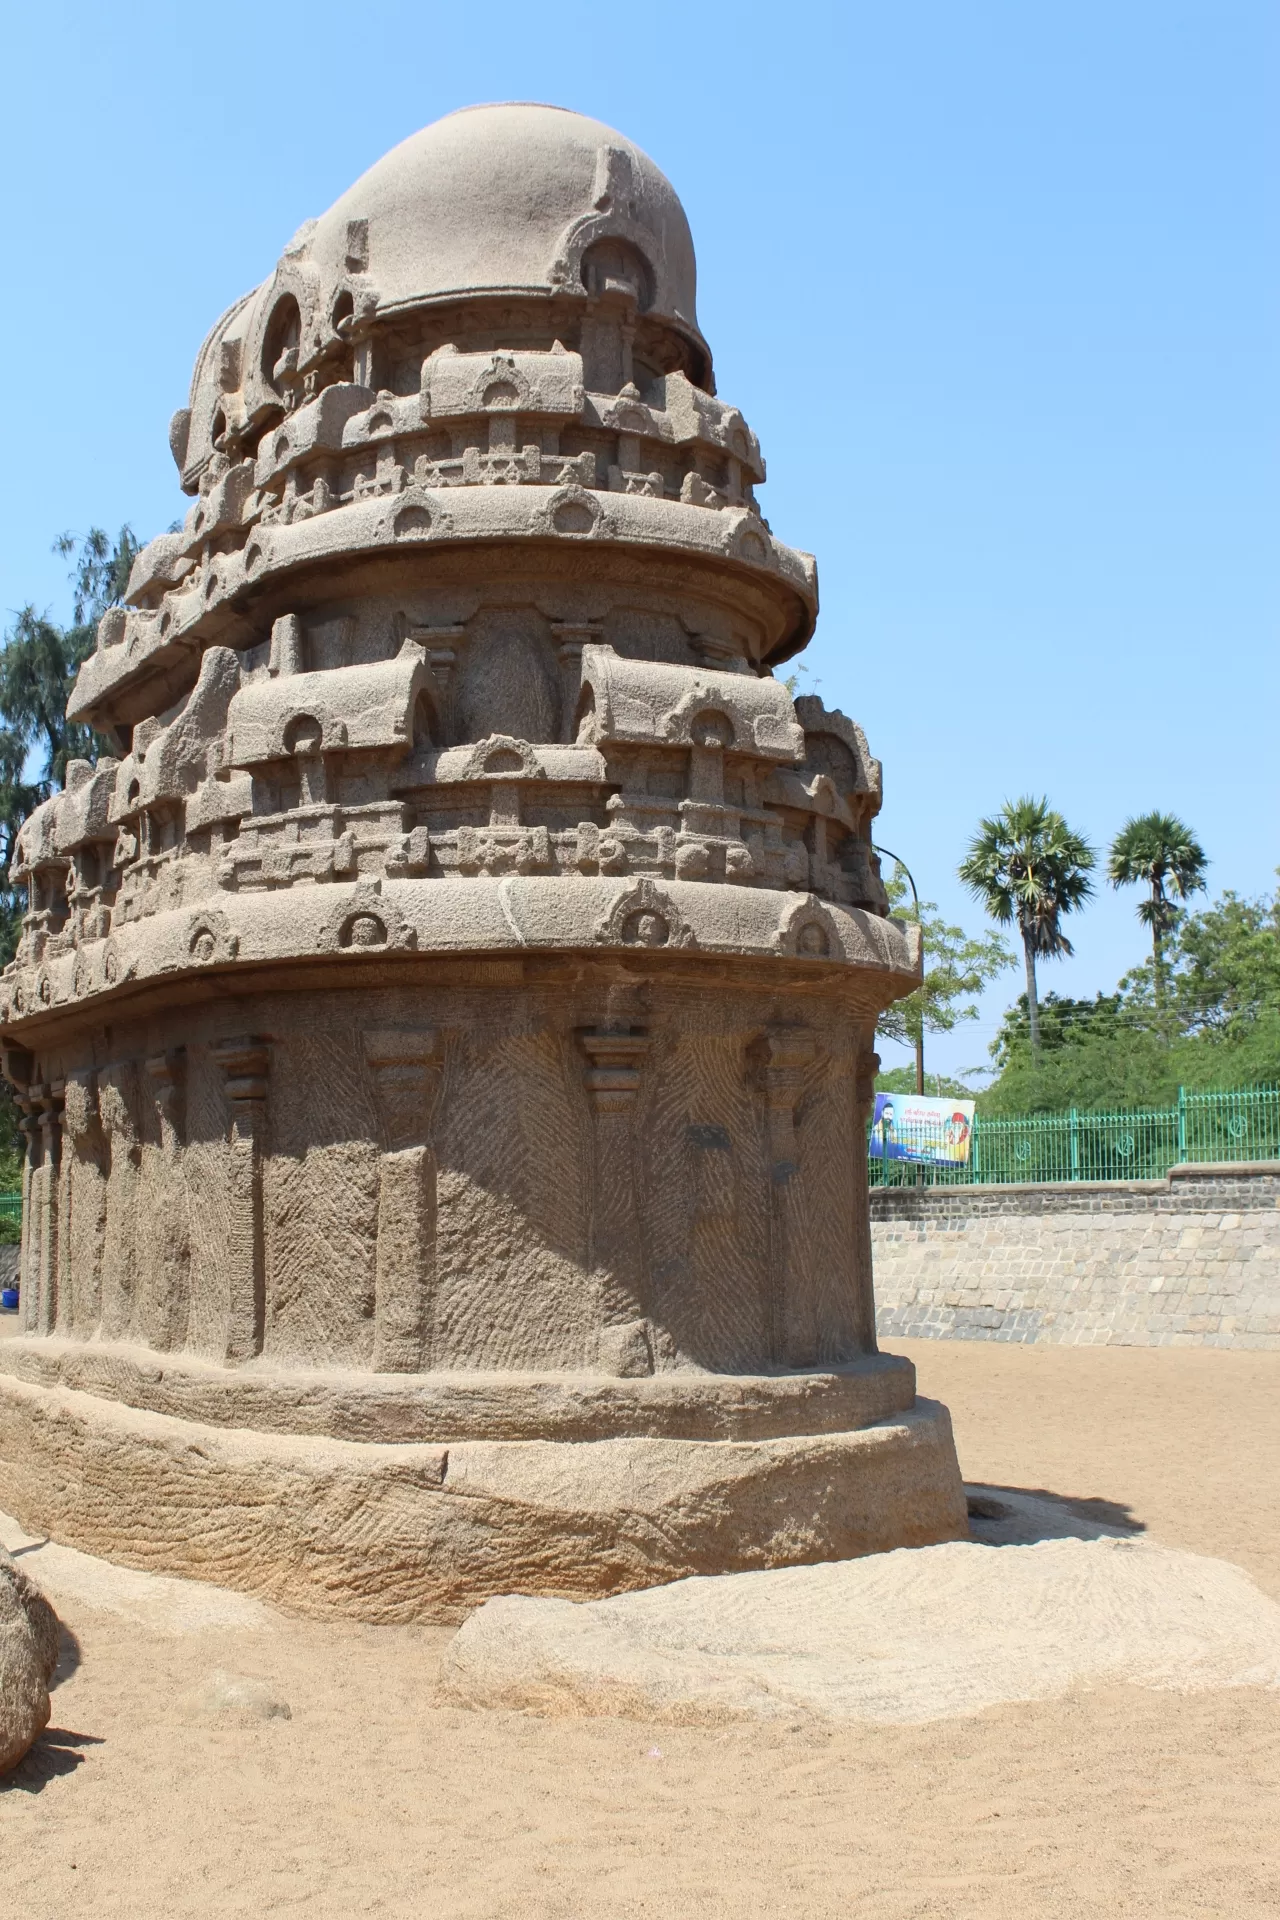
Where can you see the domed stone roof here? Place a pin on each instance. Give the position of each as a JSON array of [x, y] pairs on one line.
[[509, 197], [530, 203]]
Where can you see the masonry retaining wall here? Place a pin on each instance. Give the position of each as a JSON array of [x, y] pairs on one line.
[[1192, 1260]]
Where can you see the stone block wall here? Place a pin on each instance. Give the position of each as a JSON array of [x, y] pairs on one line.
[[1193, 1260]]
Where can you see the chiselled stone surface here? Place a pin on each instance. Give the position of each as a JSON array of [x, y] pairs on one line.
[[907, 1637], [446, 1013]]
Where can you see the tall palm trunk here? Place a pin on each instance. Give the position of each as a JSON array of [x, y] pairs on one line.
[[1033, 1004], [1157, 940]]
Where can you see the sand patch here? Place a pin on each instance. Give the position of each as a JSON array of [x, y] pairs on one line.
[[1105, 1801]]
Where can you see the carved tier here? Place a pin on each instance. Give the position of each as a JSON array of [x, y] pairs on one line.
[[442, 1024]]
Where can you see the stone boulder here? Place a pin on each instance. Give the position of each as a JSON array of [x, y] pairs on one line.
[[28, 1660], [919, 1634]]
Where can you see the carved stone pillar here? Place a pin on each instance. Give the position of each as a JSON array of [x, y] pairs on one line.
[[288, 646], [615, 1057], [84, 1175], [43, 1311], [405, 1067], [166, 1276], [120, 1240], [864, 1100], [442, 646], [571, 637], [60, 1305], [784, 1056], [244, 1068], [28, 1252]]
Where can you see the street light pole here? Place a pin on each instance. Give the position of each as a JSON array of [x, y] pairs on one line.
[[916, 898]]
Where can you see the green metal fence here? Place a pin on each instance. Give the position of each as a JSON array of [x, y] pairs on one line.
[[1141, 1145], [10, 1206]]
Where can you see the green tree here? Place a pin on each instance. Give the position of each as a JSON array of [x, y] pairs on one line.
[[1224, 976], [38, 666], [99, 576], [1064, 1022], [1219, 1026], [1159, 851], [1026, 865], [1099, 1053], [956, 969], [941, 1086]]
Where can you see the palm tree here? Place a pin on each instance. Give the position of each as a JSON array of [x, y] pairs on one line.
[[1026, 865], [1159, 851]]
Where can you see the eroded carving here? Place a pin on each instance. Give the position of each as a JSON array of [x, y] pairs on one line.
[[243, 1063], [784, 1058], [405, 1068], [366, 921], [615, 1056], [644, 916]]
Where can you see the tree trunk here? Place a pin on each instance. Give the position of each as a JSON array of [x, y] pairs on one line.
[[1157, 960], [1033, 1005]]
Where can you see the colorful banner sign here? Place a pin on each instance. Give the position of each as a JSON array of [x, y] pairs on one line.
[[913, 1126]]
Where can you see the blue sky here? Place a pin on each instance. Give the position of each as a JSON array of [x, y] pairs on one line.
[[996, 283]]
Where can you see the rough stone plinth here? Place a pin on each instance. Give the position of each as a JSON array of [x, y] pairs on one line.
[[443, 1024], [399, 1532]]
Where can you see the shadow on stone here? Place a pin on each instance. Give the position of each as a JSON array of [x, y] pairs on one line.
[[1019, 1516]]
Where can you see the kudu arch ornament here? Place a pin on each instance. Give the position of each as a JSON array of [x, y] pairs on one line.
[[443, 1025]]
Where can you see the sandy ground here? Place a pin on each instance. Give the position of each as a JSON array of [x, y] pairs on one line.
[[371, 1799]]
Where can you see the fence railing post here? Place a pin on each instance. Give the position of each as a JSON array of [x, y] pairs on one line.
[[1075, 1144], [1182, 1124]]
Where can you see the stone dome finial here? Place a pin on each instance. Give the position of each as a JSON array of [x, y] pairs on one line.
[[491, 203]]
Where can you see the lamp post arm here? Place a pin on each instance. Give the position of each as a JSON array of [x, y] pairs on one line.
[[888, 852]]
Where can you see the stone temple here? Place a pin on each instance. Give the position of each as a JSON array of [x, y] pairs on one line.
[[443, 1023]]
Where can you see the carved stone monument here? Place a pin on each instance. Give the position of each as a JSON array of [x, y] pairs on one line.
[[443, 1024]]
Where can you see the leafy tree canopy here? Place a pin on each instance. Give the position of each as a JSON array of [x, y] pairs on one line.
[[1217, 1025], [957, 968], [943, 1086], [1223, 969]]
